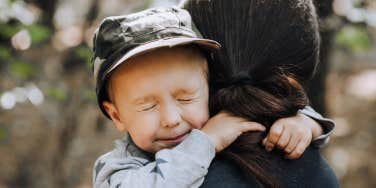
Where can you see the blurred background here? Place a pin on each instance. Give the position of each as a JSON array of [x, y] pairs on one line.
[[51, 130]]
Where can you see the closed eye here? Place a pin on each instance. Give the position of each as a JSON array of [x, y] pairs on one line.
[[149, 108], [186, 100]]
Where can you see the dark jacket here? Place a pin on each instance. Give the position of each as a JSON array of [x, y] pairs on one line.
[[310, 170]]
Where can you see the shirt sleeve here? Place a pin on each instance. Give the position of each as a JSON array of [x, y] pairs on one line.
[[327, 125], [182, 166]]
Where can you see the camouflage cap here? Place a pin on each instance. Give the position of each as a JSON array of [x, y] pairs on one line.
[[119, 38]]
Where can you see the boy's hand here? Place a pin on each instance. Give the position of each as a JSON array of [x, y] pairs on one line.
[[293, 135], [223, 129]]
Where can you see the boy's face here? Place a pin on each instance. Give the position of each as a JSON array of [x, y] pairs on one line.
[[159, 97]]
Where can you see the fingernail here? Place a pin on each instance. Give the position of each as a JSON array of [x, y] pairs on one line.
[[268, 148]]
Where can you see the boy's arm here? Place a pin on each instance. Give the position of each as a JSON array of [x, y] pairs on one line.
[[326, 124], [182, 166], [294, 134]]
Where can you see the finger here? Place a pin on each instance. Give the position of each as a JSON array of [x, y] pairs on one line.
[[293, 142], [275, 132], [273, 136], [284, 140], [264, 141], [299, 150], [252, 126], [269, 146]]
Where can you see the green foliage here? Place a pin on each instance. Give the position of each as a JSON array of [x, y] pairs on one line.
[[90, 95], [56, 93], [85, 53], [22, 70], [354, 38], [8, 30], [3, 134], [38, 33], [358, 3], [5, 53]]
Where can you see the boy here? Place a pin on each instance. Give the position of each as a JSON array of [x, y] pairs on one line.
[[151, 75]]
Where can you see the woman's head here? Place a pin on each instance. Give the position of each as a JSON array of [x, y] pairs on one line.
[[270, 49]]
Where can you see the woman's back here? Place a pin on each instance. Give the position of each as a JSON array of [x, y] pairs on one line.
[[310, 170]]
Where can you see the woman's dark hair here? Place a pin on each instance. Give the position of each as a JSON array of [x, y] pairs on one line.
[[269, 51]]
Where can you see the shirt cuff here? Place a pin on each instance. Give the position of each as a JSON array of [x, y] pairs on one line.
[[327, 125], [199, 145]]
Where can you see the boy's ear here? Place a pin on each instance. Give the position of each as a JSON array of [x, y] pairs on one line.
[[113, 112]]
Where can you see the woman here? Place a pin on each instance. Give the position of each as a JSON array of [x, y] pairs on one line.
[[270, 50]]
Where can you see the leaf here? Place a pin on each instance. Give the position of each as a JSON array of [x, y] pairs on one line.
[[8, 30], [85, 53], [21, 69], [90, 95], [5, 53], [3, 134], [38, 33], [56, 93], [354, 38]]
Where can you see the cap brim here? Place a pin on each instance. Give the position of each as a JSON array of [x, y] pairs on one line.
[[168, 42]]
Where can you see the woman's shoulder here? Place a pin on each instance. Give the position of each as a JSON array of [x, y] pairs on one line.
[[310, 170], [224, 174]]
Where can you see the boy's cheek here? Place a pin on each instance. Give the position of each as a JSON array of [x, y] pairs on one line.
[[142, 141], [202, 124], [202, 116]]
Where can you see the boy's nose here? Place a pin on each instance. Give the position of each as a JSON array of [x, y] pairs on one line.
[[171, 116]]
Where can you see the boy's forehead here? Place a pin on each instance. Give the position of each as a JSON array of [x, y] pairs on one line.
[[185, 56], [168, 63]]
